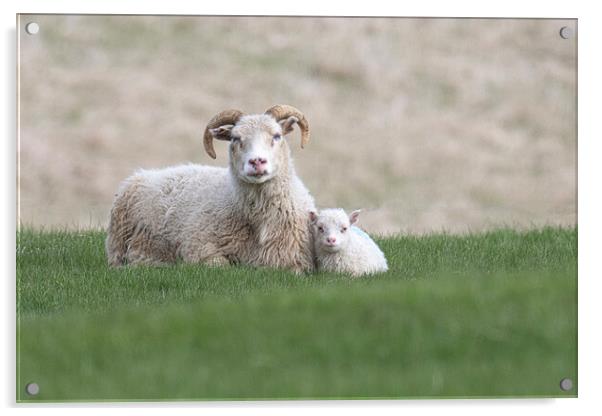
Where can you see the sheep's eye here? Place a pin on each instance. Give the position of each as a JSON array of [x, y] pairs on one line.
[[343, 229], [238, 141], [321, 229], [276, 137]]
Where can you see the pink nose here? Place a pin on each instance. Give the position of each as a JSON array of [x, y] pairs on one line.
[[257, 162], [258, 165], [331, 240]]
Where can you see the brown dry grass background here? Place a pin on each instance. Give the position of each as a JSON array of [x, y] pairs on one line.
[[427, 124]]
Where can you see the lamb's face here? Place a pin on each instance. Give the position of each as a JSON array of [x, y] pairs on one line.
[[258, 150], [331, 228]]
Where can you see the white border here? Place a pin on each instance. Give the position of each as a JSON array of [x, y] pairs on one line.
[[590, 136]]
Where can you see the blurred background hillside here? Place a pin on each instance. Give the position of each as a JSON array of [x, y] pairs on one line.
[[427, 124]]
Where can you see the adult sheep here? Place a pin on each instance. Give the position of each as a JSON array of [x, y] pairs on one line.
[[254, 212]]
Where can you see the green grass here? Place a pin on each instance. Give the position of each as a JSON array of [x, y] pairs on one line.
[[483, 315]]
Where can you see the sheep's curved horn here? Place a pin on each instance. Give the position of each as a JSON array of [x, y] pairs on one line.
[[220, 119], [280, 112]]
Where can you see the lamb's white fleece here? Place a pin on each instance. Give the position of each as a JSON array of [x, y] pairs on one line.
[[342, 247]]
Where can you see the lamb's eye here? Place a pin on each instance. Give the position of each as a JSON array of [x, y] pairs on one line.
[[343, 229], [276, 137], [321, 229]]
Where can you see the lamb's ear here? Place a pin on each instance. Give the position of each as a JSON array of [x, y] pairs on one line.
[[313, 216], [222, 132], [353, 217], [287, 124]]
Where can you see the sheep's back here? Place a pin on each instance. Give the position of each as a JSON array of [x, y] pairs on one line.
[[165, 198]]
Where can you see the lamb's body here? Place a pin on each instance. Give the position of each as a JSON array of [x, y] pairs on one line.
[[205, 214], [352, 251]]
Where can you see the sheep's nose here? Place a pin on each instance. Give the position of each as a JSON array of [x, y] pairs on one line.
[[258, 161], [331, 240]]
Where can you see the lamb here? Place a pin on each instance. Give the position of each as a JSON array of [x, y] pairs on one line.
[[342, 247], [254, 212]]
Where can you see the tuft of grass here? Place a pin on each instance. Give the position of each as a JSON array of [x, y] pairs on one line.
[[483, 315]]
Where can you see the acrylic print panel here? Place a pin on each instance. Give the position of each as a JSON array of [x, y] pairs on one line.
[[212, 280]]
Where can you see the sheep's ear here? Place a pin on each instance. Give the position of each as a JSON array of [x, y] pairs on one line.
[[353, 217], [222, 132], [313, 216], [287, 124]]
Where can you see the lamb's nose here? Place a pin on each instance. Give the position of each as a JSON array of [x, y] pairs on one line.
[[258, 161], [331, 240]]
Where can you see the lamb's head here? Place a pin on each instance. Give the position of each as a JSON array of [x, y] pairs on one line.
[[258, 150], [331, 228]]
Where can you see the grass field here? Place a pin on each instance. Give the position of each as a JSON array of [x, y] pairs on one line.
[[489, 314]]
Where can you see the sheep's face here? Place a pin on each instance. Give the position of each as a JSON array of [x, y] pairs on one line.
[[258, 150], [331, 228]]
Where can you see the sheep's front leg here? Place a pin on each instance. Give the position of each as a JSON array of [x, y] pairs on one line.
[[205, 254], [217, 261]]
